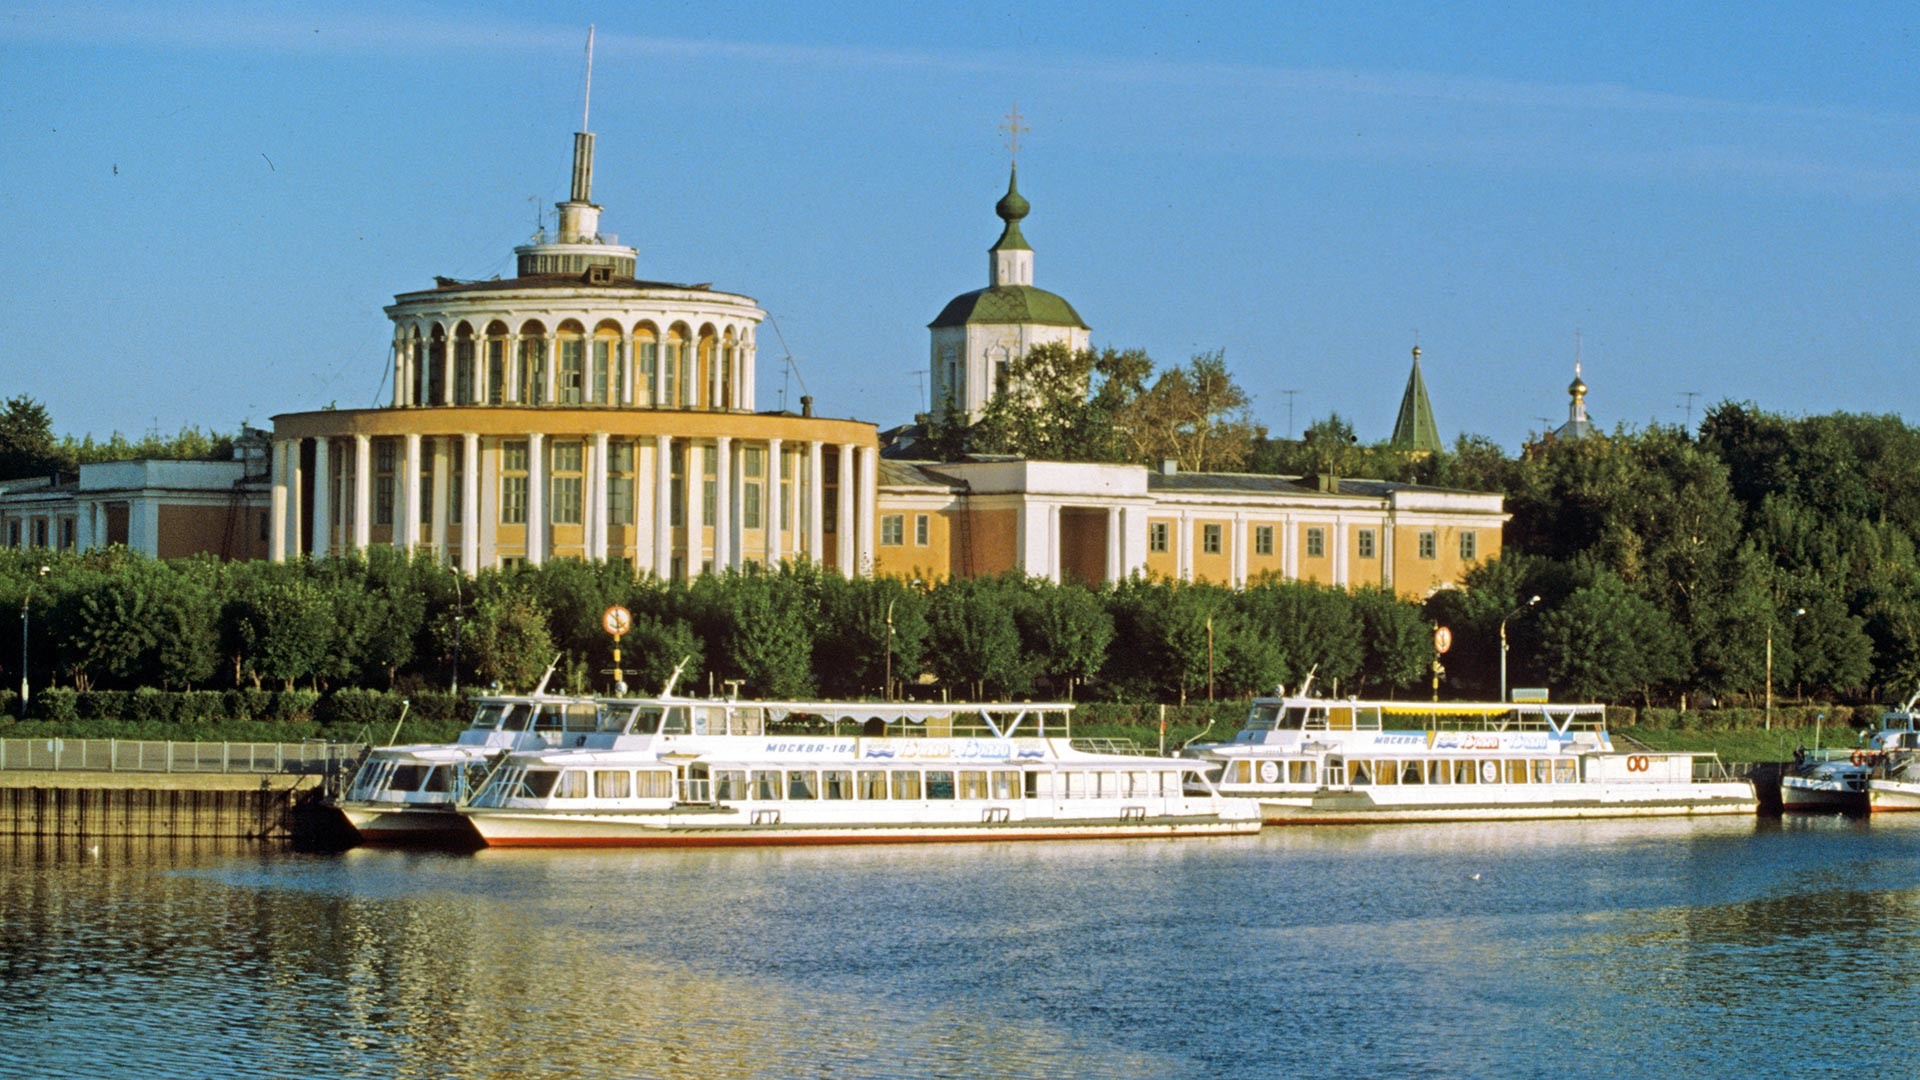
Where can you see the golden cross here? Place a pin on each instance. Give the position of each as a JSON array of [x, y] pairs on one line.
[[1014, 130]]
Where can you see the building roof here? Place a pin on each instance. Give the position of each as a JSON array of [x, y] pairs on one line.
[[1414, 428], [1008, 305], [557, 281]]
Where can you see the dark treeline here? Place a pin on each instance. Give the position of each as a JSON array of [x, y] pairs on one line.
[[115, 620]]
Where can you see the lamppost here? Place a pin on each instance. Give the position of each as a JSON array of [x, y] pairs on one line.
[[1531, 600], [26, 602], [889, 692], [1797, 612], [455, 685]]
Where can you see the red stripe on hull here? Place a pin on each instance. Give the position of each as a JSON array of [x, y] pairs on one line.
[[671, 840]]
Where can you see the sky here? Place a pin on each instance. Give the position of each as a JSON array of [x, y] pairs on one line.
[[204, 207]]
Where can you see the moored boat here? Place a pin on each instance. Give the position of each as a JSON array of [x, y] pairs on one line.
[[687, 772], [1894, 783], [407, 794], [1310, 760], [1827, 780]]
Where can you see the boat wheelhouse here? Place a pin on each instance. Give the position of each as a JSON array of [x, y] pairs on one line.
[[1892, 763], [407, 794], [1311, 760], [680, 772]]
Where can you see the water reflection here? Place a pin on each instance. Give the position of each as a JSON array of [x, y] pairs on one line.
[[1500, 949]]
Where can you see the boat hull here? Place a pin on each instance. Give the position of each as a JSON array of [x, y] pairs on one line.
[[509, 828], [1893, 796], [1353, 807], [1816, 798], [385, 823]]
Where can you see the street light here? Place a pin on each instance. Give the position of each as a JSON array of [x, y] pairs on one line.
[[1797, 612], [456, 630], [1531, 600], [889, 691], [25, 603]]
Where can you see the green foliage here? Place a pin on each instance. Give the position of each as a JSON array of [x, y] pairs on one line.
[[851, 659], [508, 640], [1606, 642], [760, 629], [26, 440], [976, 640]]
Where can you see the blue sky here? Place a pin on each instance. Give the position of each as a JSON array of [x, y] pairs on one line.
[[203, 209]]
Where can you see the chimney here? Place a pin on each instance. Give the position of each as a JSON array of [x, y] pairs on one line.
[[806, 404]]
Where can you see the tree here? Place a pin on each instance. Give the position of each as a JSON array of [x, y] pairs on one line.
[[1161, 638], [1196, 415], [760, 629], [277, 625], [508, 639], [1396, 643], [26, 440], [1606, 642], [1061, 404], [976, 642], [1067, 630], [853, 659]]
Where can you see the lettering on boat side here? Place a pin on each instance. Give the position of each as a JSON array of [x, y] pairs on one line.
[[959, 750], [820, 746]]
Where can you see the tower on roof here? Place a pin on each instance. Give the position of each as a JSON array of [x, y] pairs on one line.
[[1414, 428], [577, 246], [979, 333], [1577, 425]]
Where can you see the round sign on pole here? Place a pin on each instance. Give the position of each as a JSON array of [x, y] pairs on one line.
[[1442, 639], [617, 620]]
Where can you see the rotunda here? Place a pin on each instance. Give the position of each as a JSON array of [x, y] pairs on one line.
[[575, 410]]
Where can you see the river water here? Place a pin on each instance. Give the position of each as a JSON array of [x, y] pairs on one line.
[[1683, 948]]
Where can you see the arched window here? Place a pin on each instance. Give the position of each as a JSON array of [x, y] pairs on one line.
[[608, 382], [646, 363], [703, 391], [533, 364], [571, 387], [496, 363], [436, 380], [463, 367], [729, 370], [416, 368], [678, 384]]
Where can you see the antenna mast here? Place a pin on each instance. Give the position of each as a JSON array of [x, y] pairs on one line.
[[586, 105]]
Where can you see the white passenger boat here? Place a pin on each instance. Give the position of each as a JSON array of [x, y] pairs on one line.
[[685, 772], [1311, 760], [406, 794], [1893, 785], [1827, 780]]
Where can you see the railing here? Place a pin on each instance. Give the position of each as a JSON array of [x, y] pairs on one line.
[[1111, 746], [141, 755], [696, 791]]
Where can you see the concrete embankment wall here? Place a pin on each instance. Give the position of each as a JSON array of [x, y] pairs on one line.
[[227, 806]]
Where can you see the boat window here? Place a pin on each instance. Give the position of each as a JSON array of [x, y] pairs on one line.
[[517, 717], [1006, 784], [873, 784], [363, 780], [439, 779], [488, 717], [608, 784], [1367, 719], [1412, 773], [939, 784], [582, 716], [1264, 717], [1299, 772], [766, 782], [675, 721], [1362, 771], [1076, 787], [747, 721], [906, 784], [1139, 783], [547, 719], [1038, 785], [653, 784], [1386, 773], [729, 785], [407, 777], [572, 785], [1439, 772], [803, 784], [1516, 772], [1542, 770], [538, 783], [973, 784], [836, 784], [1563, 772]]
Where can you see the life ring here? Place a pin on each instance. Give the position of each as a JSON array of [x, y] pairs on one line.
[[1269, 772], [1859, 757]]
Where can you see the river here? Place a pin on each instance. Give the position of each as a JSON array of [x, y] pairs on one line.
[[1684, 948]]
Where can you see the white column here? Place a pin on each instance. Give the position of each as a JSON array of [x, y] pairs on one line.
[[597, 549], [295, 480], [362, 492], [512, 370], [696, 484], [1239, 551], [1290, 549], [407, 521], [723, 546], [1386, 551], [1116, 544], [277, 535], [446, 368], [660, 371], [322, 498], [440, 478], [553, 368], [537, 496], [816, 502], [1339, 539], [662, 506], [1183, 546], [399, 369], [844, 553], [776, 469], [628, 367], [481, 386], [470, 503], [869, 527]]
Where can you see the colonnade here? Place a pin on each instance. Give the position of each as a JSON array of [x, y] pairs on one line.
[[452, 493], [428, 360]]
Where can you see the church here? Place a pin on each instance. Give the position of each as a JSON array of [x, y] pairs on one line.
[[579, 410]]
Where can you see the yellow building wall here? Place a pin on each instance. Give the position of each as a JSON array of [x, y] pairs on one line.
[[1269, 565], [1218, 566], [1314, 569], [1416, 577], [1164, 564], [1369, 571], [928, 562]]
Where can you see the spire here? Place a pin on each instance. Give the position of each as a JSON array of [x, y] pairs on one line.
[[579, 218], [1414, 428], [1577, 425], [577, 246]]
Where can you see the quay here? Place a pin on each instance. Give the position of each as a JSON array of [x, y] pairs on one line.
[[98, 788]]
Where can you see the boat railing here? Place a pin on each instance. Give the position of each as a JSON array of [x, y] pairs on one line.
[[1111, 746], [145, 755]]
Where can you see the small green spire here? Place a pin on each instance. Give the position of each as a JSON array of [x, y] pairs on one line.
[[1011, 208], [1414, 429]]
